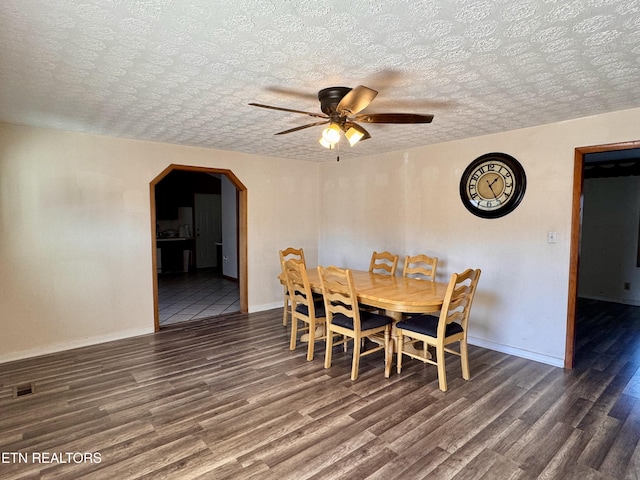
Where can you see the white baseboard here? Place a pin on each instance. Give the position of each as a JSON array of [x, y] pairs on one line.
[[61, 347], [266, 306], [554, 361]]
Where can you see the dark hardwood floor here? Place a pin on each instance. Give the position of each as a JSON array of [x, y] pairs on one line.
[[224, 398]]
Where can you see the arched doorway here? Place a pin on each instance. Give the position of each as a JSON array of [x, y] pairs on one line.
[[241, 226]]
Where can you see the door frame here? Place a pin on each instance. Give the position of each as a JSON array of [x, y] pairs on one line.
[[576, 227], [241, 191]]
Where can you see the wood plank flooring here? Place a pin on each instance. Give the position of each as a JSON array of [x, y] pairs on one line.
[[224, 398]]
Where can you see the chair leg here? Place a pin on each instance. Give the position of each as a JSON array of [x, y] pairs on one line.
[[355, 365], [464, 360], [286, 307], [312, 341], [294, 334], [329, 342], [388, 353], [442, 374], [399, 343]]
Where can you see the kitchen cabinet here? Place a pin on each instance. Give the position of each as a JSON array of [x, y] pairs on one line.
[[176, 254], [166, 202]]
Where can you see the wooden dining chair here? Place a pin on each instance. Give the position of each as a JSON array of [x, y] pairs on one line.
[[286, 254], [383, 263], [305, 307], [448, 328], [344, 317], [420, 266]]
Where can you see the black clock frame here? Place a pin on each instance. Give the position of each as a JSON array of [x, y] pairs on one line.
[[520, 185]]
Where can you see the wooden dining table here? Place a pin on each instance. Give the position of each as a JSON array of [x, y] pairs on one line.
[[395, 295]]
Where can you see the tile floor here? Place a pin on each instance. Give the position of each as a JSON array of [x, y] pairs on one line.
[[197, 295]]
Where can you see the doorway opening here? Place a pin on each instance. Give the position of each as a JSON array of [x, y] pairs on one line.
[[576, 232], [183, 241]]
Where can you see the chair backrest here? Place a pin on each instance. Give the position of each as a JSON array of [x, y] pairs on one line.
[[339, 294], [420, 266], [458, 299], [384, 263], [298, 284], [291, 252]]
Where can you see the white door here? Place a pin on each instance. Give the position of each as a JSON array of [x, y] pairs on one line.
[[208, 229]]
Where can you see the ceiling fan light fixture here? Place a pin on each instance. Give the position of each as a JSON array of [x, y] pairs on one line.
[[354, 134], [326, 144], [331, 134]]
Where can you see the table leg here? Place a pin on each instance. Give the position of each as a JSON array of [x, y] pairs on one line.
[[393, 344]]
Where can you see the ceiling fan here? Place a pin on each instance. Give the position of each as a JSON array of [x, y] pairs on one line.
[[341, 107]]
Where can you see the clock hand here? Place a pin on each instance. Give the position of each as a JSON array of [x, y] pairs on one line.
[[491, 187]]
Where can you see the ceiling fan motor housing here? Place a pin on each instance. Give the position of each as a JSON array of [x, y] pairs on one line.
[[330, 98]]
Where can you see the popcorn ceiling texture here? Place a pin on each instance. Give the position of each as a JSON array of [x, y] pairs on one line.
[[183, 71]]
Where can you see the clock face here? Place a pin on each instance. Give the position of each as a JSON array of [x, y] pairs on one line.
[[492, 185]]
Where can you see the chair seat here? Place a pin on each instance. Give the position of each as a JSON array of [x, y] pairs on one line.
[[318, 306], [428, 325], [368, 320]]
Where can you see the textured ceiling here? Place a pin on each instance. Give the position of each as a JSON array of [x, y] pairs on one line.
[[183, 71]]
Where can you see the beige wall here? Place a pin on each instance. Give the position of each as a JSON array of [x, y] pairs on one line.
[[75, 233], [75, 236], [408, 202]]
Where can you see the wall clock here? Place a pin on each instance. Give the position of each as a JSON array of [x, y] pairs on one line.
[[493, 185]]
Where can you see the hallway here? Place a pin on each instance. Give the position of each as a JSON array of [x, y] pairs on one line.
[[608, 340], [192, 296]]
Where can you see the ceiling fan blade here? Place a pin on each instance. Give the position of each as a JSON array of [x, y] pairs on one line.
[[301, 127], [394, 118], [356, 100], [290, 92], [319, 115]]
